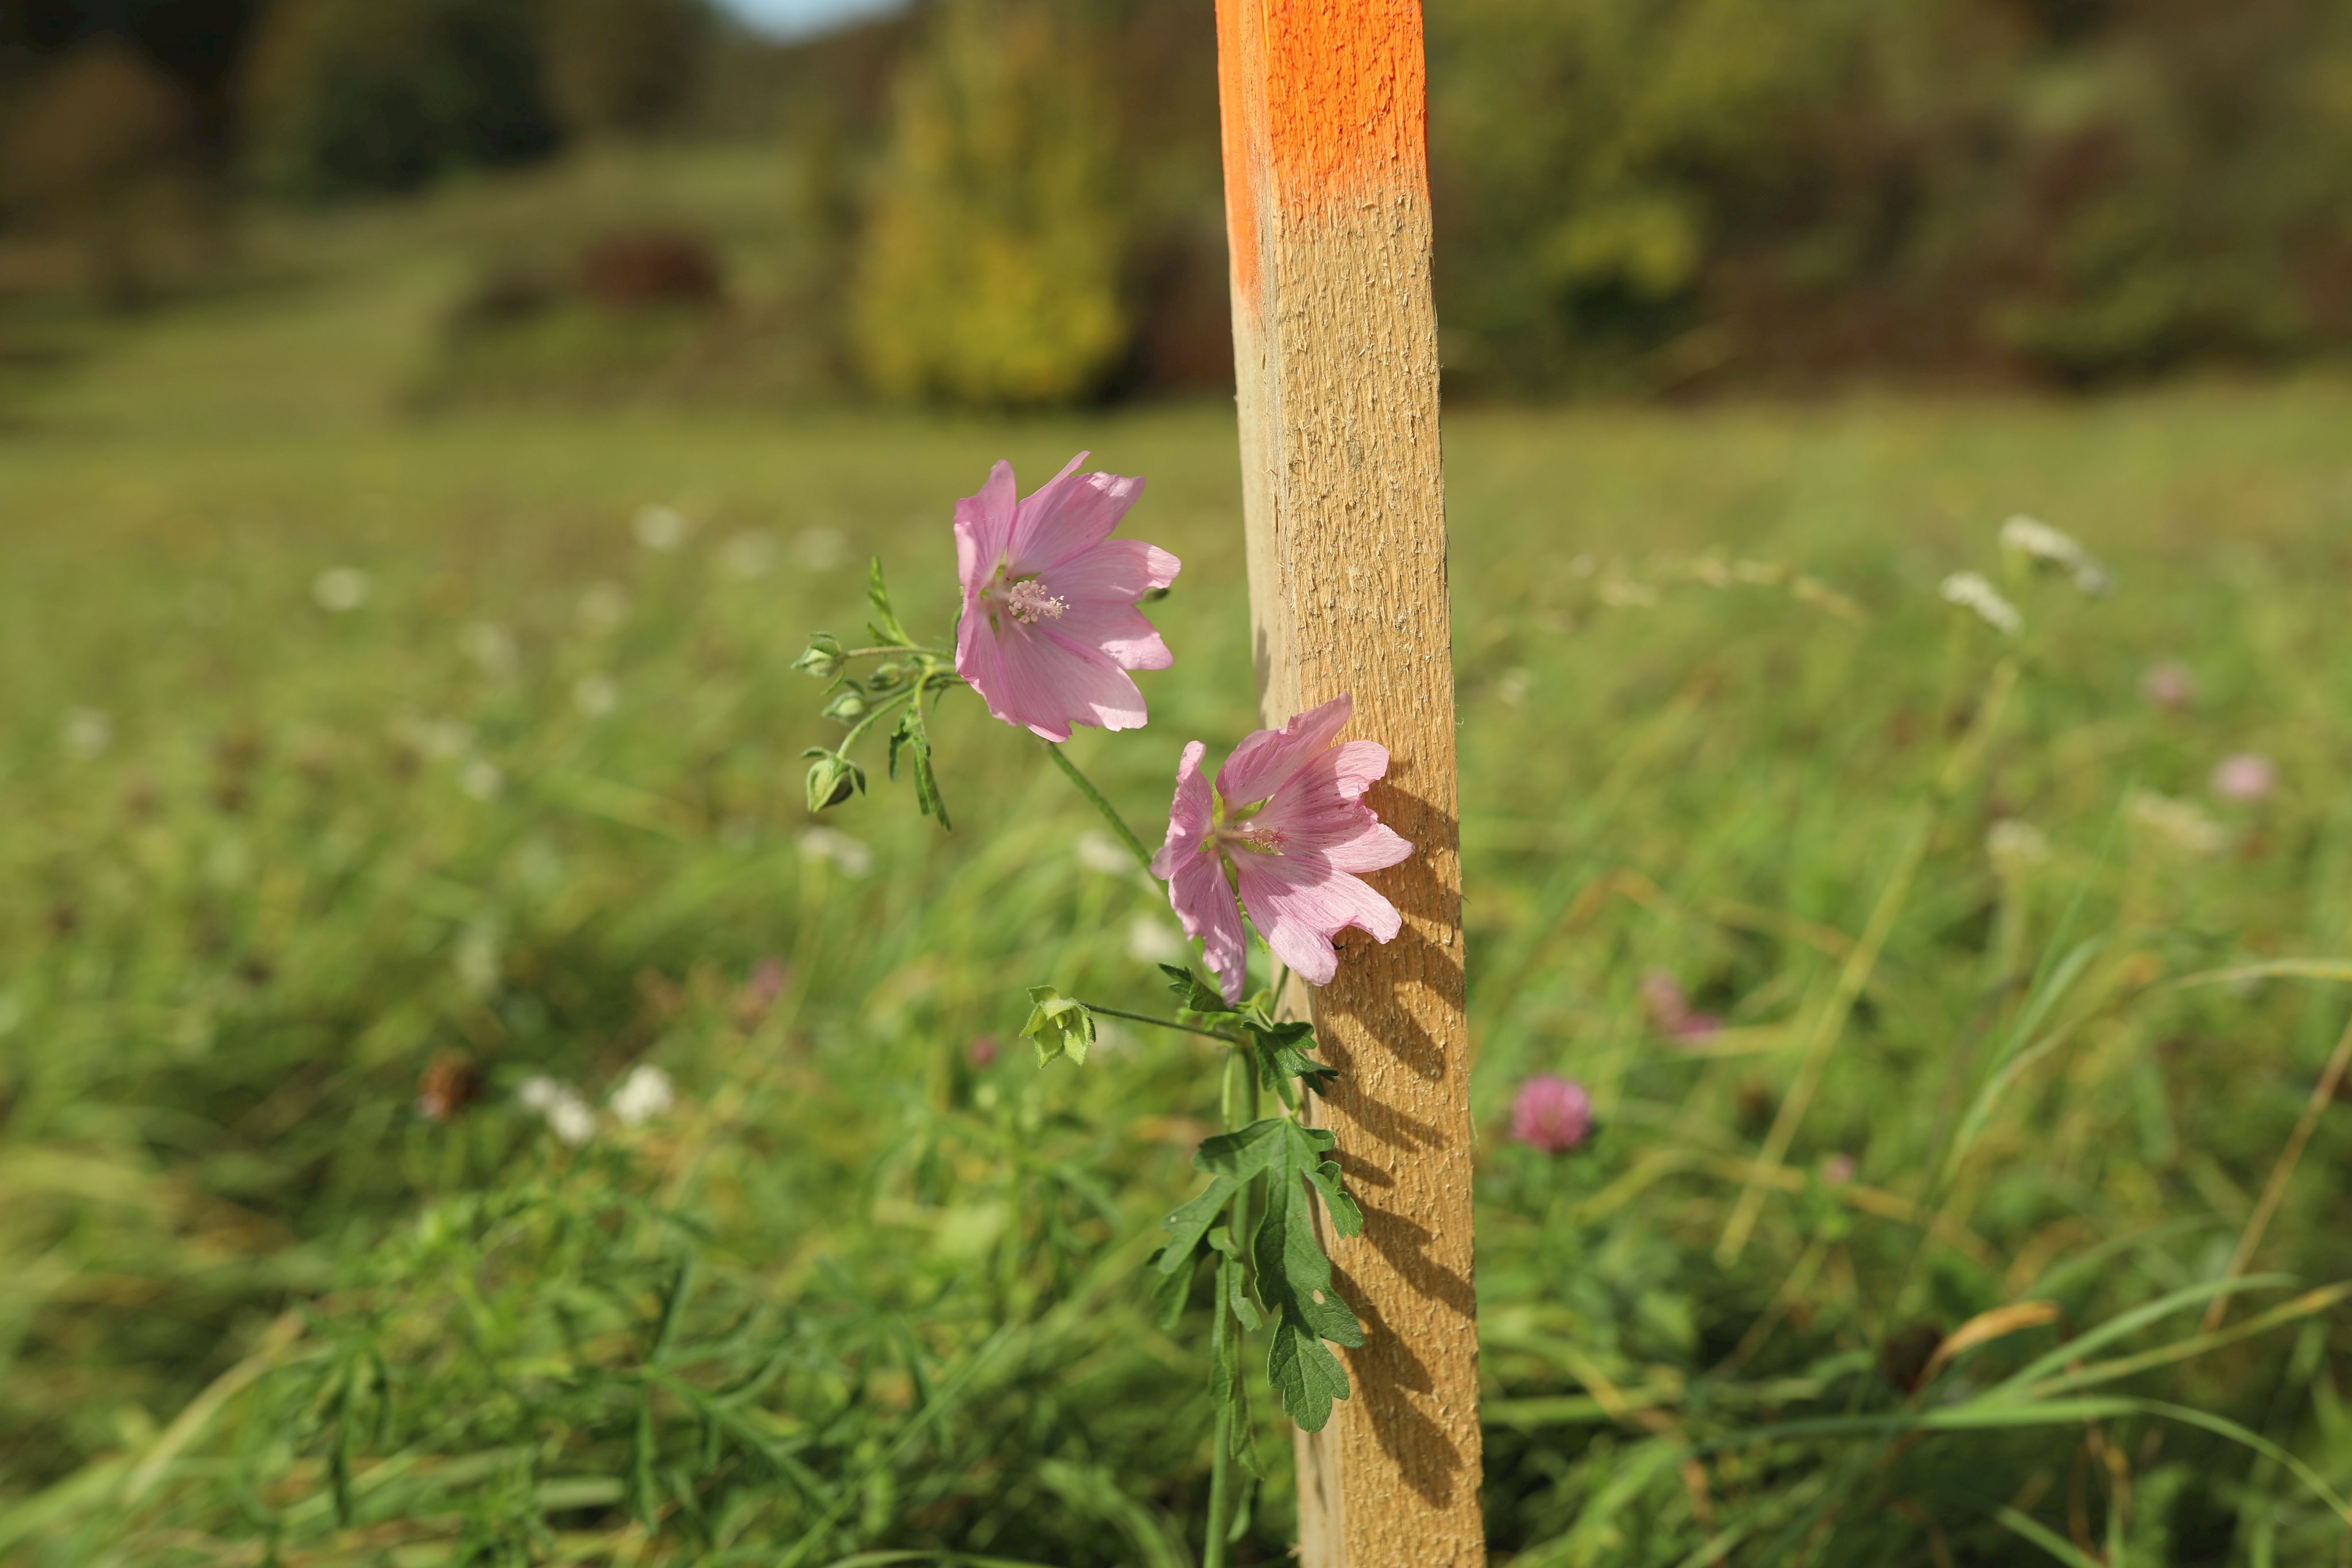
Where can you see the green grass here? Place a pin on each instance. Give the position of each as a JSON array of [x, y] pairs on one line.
[[858, 1292]]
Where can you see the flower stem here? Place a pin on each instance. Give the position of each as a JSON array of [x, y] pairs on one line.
[[1238, 1108], [876, 652], [1109, 812], [1161, 1023], [863, 724]]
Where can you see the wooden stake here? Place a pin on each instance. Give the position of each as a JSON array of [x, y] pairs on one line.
[[1335, 346]]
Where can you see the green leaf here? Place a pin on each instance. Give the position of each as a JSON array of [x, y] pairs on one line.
[[1236, 1282], [885, 624], [912, 739], [1193, 994], [1060, 1025], [1170, 1282], [1231, 1159], [1294, 1276], [1281, 1051]]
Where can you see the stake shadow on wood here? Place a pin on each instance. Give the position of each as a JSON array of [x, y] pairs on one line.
[[1393, 1066], [1385, 1375]]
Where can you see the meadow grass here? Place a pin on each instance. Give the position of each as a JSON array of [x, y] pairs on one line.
[[866, 1292]]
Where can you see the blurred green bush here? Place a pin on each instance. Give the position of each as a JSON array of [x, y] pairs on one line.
[[1016, 202], [349, 96], [989, 272]]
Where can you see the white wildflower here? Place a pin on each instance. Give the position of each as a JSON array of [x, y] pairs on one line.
[[571, 1119], [595, 695], [568, 1116], [1152, 940], [1624, 593], [89, 734], [749, 554], [481, 778], [340, 589], [643, 1095], [2016, 847], [2038, 541], [660, 528], [1514, 687], [821, 550], [443, 739], [2180, 824], [492, 646], [1969, 591], [849, 856], [602, 607]]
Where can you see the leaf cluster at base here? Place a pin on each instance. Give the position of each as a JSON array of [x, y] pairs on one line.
[[1280, 1163]]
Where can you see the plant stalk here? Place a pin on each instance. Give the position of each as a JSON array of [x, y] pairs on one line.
[[1109, 812], [1238, 1107], [1158, 1023]]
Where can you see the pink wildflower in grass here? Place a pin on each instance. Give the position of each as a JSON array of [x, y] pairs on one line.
[[1552, 1115], [2247, 778], [1670, 1012], [2171, 685], [1285, 833], [1050, 629]]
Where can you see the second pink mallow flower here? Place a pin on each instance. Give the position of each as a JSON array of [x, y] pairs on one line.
[[1050, 627], [1283, 832]]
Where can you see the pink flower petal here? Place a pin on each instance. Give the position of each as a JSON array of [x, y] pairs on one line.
[[1050, 624], [1070, 512], [1098, 589], [1300, 903], [1261, 764], [1045, 684], [1197, 889], [983, 529], [1189, 814]]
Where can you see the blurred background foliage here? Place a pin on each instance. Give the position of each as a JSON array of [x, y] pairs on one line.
[[427, 429], [1008, 203]]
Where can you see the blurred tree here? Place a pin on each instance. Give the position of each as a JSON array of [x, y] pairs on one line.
[[345, 96], [624, 66], [989, 273], [101, 148], [1648, 192]]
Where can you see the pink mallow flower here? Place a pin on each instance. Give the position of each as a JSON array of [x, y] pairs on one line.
[[1553, 1114], [1050, 627], [1287, 829], [2245, 778]]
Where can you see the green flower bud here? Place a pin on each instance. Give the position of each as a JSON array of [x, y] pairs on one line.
[[832, 779], [822, 658]]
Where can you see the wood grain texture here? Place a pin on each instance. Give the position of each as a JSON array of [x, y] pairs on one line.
[[1335, 342]]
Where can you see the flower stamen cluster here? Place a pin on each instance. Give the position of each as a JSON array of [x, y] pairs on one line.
[[1026, 600]]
